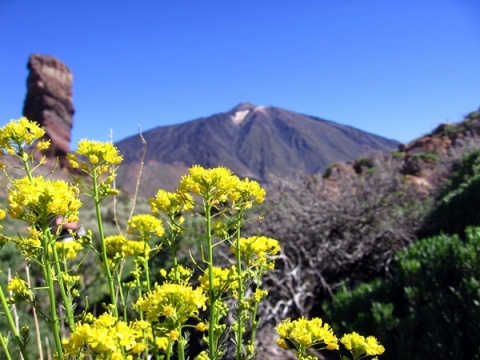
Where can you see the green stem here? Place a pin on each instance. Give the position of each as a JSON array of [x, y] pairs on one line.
[[67, 300], [11, 323], [253, 315], [5, 347], [146, 267], [26, 165], [54, 320], [122, 297], [108, 272], [212, 341], [253, 329], [241, 294], [175, 262], [169, 349], [141, 316], [180, 346]]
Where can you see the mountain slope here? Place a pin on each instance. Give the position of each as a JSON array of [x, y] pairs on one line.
[[267, 144]]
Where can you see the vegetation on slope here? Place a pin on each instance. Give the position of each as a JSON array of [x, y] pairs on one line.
[[350, 248]]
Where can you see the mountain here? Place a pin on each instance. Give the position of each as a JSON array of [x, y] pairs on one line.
[[268, 144]]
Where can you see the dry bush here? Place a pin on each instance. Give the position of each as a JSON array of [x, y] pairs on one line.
[[334, 231]]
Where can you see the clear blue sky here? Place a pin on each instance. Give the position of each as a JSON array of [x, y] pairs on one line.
[[396, 68]]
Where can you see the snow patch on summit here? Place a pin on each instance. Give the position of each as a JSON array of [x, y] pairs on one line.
[[239, 116]]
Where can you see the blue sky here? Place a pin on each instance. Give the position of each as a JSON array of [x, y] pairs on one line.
[[396, 68]]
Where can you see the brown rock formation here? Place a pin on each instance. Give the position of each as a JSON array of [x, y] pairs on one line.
[[49, 102]]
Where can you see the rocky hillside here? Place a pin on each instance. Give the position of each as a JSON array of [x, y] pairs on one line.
[[269, 144]]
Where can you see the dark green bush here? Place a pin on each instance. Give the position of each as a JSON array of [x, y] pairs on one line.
[[458, 202], [426, 156], [429, 309]]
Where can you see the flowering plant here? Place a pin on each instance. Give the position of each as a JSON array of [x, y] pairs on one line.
[[143, 318]]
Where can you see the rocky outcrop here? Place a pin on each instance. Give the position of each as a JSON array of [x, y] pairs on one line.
[[49, 102]]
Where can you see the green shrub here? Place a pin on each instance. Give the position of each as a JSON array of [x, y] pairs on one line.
[[426, 156], [452, 129], [457, 203], [430, 308]]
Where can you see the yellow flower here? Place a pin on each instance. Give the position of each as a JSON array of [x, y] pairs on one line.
[[101, 156], [43, 145], [145, 226], [182, 274], [174, 334], [177, 301], [30, 246], [171, 203], [202, 356], [70, 280], [166, 202], [259, 295], [18, 134], [257, 251], [201, 326], [118, 248], [42, 198], [107, 336], [360, 345], [249, 191], [19, 289], [224, 279], [217, 184], [68, 249], [168, 310], [162, 343], [3, 214], [97, 151], [306, 333], [282, 343]]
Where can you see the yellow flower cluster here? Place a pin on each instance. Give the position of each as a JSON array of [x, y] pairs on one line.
[[303, 333], [182, 275], [19, 289], [174, 301], [100, 156], [258, 295], [171, 203], [43, 198], [362, 346], [224, 280], [68, 249], [118, 248], [257, 251], [70, 280], [98, 152], [219, 185], [145, 226], [3, 214], [32, 245], [202, 356], [18, 134], [107, 337], [250, 191], [161, 342], [201, 326]]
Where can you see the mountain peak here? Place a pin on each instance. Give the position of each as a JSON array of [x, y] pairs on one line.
[[265, 143], [243, 106], [240, 112]]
